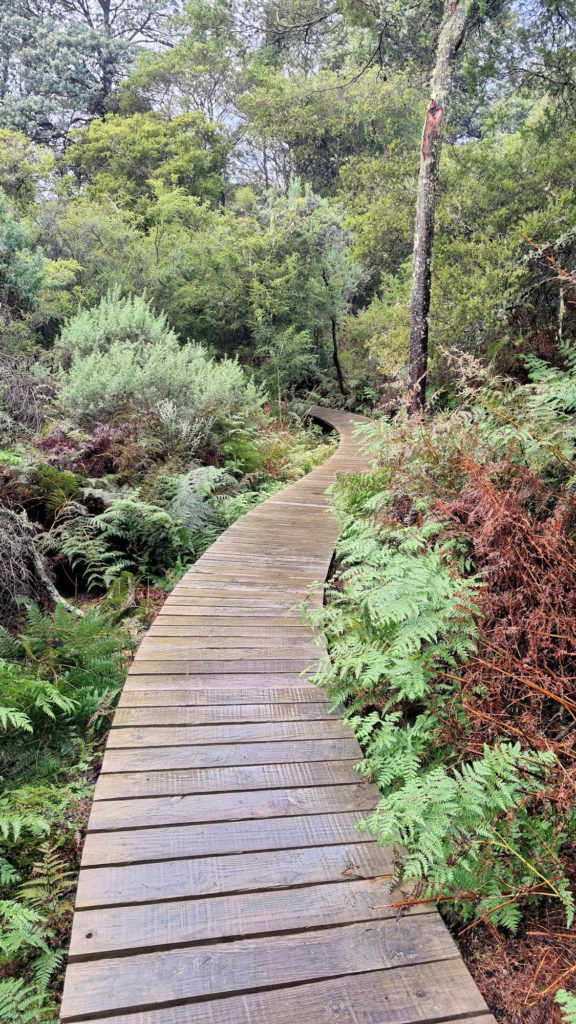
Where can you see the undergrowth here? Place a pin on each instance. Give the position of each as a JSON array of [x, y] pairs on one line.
[[451, 624], [117, 522], [58, 679]]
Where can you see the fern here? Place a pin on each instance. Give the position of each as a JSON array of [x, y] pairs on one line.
[[22, 928], [190, 504], [148, 535], [15, 822], [21, 1003], [45, 966], [10, 717], [401, 622], [567, 1000], [50, 878]]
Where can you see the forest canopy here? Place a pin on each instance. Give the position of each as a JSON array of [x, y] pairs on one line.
[[214, 214]]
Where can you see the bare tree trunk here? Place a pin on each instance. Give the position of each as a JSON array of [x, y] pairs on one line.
[[334, 331], [336, 356], [451, 34]]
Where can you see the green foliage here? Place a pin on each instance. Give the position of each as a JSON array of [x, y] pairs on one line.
[[57, 679], [116, 319], [124, 157], [61, 64], [410, 613], [21, 1003], [55, 489], [122, 355], [567, 1000], [11, 457], [128, 536], [150, 537], [190, 505], [481, 833], [56, 670], [22, 166], [22, 274]]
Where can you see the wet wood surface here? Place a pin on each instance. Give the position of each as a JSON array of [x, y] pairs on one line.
[[224, 878]]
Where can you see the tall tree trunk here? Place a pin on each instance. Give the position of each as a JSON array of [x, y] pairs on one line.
[[450, 38], [336, 356]]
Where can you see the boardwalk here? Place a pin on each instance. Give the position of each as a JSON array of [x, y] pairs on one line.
[[223, 879]]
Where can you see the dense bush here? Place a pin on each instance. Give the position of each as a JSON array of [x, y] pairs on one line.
[[451, 624], [121, 356], [57, 682]]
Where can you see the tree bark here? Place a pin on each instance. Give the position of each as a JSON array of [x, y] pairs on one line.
[[336, 356], [450, 37]]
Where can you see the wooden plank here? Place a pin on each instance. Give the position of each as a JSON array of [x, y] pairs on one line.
[[139, 928], [196, 584], [151, 979], [215, 667], [360, 999], [212, 735], [155, 651], [217, 876], [215, 839], [224, 681], [300, 641], [224, 696], [190, 620], [237, 628], [124, 785], [219, 713], [261, 803], [226, 613], [150, 759]]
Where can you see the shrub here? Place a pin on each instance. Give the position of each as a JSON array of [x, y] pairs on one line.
[[116, 319], [121, 354]]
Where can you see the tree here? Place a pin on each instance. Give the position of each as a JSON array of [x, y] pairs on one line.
[[451, 35], [61, 61], [22, 274], [203, 71], [126, 158]]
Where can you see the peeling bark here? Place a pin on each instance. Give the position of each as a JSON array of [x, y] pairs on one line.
[[452, 29]]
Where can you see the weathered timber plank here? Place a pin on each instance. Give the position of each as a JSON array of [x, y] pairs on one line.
[[123, 785], [225, 696], [216, 667], [150, 979], [231, 680], [257, 627], [210, 840], [154, 651], [261, 803], [217, 713], [164, 880], [212, 735], [150, 759], [443, 993], [140, 928]]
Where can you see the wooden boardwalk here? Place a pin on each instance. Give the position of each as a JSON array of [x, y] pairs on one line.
[[223, 879]]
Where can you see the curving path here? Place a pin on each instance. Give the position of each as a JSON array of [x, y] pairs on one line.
[[223, 879]]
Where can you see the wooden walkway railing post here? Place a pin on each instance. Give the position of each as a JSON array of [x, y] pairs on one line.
[[223, 878]]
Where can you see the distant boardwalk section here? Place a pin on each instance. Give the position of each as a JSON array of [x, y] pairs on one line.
[[223, 879]]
